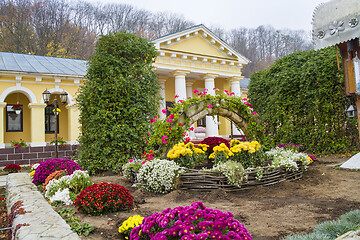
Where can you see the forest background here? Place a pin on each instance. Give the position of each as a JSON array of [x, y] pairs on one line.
[[60, 28]]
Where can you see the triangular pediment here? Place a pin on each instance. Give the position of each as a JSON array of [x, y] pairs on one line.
[[198, 40], [196, 45]]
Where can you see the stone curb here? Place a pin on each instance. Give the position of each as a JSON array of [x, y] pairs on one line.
[[44, 222], [352, 235]]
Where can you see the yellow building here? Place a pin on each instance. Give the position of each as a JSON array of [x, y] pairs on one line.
[[194, 58]]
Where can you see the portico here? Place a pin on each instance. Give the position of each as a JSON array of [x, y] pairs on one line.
[[196, 58]]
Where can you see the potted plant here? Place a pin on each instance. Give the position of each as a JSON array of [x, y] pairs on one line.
[[17, 108], [60, 140], [200, 132], [17, 144]]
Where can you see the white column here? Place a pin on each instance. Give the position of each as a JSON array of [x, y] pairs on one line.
[[180, 84], [189, 90], [189, 94], [162, 102], [235, 85], [235, 88], [73, 123], [2, 124], [211, 124], [37, 124]]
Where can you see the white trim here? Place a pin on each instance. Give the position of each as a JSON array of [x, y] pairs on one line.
[[202, 69], [196, 30], [72, 142], [58, 91], [27, 92], [34, 82], [2, 145], [195, 57], [26, 74], [40, 144]]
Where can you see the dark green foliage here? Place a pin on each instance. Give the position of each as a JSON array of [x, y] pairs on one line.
[[116, 101], [302, 98]]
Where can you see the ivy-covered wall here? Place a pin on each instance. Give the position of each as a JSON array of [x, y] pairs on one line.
[[302, 98]]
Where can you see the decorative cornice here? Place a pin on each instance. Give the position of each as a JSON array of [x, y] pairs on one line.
[[180, 73], [36, 105]]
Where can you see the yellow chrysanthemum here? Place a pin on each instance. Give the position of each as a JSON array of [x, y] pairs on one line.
[[130, 223]]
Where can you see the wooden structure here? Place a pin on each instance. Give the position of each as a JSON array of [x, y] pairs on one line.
[[208, 180], [337, 22]]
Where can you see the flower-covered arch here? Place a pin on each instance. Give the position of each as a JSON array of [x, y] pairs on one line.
[[165, 133]]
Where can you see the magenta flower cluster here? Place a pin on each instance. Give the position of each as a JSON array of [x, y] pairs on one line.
[[191, 223], [49, 166], [289, 145]]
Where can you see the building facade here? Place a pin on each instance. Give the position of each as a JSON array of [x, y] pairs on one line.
[[194, 58]]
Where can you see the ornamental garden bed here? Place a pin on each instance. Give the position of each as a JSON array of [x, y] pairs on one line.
[[201, 180]]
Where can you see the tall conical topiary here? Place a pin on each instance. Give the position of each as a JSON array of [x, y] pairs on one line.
[[116, 101]]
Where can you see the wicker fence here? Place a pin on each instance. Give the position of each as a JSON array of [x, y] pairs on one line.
[[206, 180]]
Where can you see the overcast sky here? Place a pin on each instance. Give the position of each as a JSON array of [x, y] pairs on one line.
[[229, 14]]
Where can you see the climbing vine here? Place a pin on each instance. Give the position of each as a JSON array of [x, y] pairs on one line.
[[165, 133]]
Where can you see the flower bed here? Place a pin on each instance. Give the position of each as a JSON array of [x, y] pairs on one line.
[[203, 180]]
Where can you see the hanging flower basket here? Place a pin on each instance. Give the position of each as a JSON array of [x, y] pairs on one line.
[[17, 108]]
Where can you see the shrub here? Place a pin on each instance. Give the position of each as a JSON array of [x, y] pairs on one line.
[[54, 175], [334, 229], [103, 198], [299, 95], [158, 176], [116, 101], [187, 155], [129, 224], [352, 217], [49, 166], [12, 168], [290, 146], [190, 222], [311, 236], [214, 141]]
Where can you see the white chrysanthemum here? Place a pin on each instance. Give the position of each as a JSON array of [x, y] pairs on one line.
[[62, 195], [33, 167], [77, 181], [287, 158], [158, 175]]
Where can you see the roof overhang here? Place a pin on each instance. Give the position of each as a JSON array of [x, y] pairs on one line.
[[335, 22]]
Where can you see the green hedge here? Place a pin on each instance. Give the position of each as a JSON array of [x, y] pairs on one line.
[[302, 98]]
